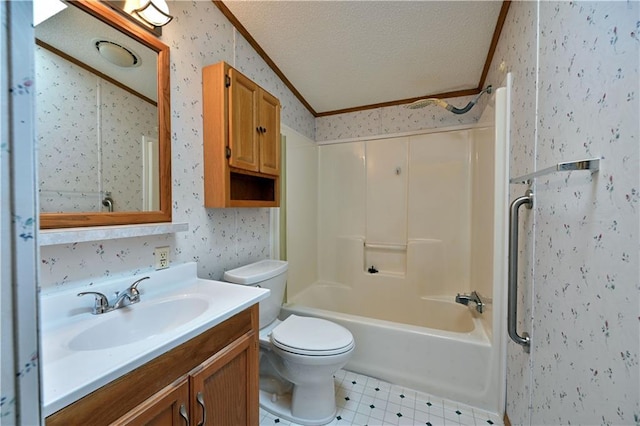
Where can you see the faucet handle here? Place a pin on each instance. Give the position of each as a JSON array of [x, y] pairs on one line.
[[134, 294], [101, 302]]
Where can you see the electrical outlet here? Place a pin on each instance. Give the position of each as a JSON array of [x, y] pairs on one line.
[[162, 257]]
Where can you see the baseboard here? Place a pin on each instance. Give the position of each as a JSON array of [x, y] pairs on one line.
[[506, 420]]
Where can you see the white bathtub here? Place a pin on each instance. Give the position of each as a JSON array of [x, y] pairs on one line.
[[438, 346]]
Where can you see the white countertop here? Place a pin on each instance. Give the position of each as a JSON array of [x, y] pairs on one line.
[[68, 375]]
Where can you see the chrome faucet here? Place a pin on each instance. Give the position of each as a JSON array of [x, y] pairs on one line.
[[131, 295], [101, 304], [473, 297]]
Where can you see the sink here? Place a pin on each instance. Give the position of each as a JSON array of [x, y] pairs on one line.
[[138, 322], [81, 352]]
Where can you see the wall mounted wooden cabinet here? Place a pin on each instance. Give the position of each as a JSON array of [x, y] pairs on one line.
[[241, 140]]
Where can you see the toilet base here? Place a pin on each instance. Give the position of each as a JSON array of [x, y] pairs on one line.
[[280, 405]]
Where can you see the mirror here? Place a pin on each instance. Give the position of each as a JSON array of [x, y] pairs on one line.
[[103, 120]]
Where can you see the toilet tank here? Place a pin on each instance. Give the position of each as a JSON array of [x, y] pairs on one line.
[[270, 274]]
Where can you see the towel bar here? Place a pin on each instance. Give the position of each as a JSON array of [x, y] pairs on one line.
[[592, 164]]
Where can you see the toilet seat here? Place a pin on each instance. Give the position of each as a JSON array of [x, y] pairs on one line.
[[311, 336]]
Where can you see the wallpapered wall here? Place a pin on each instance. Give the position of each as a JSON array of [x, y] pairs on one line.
[[19, 378], [586, 280], [581, 285], [395, 119], [217, 239], [101, 152]]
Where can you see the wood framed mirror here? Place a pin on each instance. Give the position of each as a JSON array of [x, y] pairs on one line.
[[85, 173]]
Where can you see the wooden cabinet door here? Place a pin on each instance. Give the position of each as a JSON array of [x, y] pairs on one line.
[[224, 389], [269, 129], [166, 408], [243, 122]]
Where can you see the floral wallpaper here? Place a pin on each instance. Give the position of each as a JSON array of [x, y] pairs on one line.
[[580, 296], [66, 93], [98, 153], [392, 120], [218, 239], [19, 369], [121, 148], [587, 288]]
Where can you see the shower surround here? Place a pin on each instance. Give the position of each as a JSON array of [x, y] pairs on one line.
[[404, 224]]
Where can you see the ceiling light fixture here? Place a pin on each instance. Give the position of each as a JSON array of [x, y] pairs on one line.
[[154, 13], [117, 54]]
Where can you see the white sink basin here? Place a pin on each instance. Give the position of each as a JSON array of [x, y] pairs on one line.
[[80, 352], [137, 322]]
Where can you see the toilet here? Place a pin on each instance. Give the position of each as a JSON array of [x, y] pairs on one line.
[[298, 355]]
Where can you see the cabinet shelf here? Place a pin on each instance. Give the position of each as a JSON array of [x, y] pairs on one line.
[[251, 188]]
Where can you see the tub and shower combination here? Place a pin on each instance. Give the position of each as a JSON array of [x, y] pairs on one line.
[[402, 225]]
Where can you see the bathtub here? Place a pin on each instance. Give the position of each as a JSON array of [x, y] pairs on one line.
[[435, 346]]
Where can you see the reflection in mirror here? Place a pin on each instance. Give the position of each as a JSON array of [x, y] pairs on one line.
[[102, 120]]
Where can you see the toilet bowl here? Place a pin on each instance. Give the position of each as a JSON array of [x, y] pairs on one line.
[[298, 356]]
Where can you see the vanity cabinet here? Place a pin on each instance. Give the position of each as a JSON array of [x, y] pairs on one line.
[[241, 140], [222, 384], [214, 374], [166, 408]]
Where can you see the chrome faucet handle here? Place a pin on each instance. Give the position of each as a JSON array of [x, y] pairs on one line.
[[473, 297], [101, 302], [479, 303], [134, 294]]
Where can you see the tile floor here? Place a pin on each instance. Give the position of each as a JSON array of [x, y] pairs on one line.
[[363, 400]]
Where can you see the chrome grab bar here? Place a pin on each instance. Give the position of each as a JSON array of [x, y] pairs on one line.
[[512, 315]]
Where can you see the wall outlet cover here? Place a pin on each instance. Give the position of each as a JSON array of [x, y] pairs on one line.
[[162, 257]]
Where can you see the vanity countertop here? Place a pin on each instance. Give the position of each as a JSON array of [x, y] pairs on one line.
[[80, 355]]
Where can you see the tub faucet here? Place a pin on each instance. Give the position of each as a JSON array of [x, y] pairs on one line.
[[473, 297]]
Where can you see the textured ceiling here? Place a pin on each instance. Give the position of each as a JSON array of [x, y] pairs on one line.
[[74, 32], [348, 54]]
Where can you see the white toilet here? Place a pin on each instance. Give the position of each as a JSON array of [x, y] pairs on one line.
[[298, 356]]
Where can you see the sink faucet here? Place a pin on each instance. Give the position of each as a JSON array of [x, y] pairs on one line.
[[473, 297], [101, 306], [131, 294]]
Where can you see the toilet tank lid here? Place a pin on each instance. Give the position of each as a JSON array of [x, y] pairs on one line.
[[256, 272]]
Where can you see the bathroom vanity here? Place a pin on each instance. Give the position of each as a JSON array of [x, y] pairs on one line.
[[198, 367], [216, 370]]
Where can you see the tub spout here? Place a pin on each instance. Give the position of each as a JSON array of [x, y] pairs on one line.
[[473, 297]]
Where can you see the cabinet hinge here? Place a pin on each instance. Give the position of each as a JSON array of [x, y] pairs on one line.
[[227, 151], [227, 81]]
